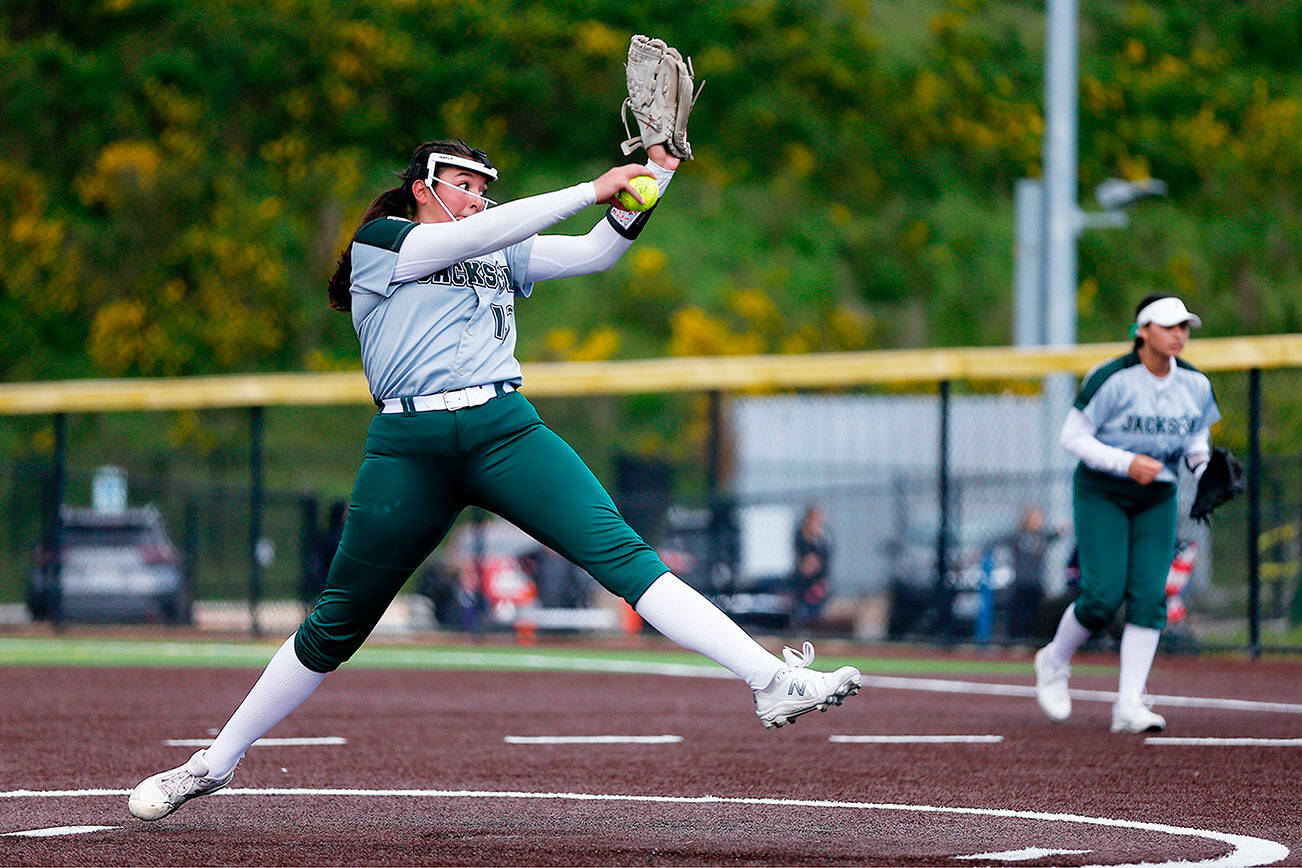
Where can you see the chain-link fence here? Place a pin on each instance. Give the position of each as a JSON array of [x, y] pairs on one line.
[[944, 509], [951, 513], [179, 553]]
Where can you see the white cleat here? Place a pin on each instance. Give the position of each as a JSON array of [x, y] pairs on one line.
[[797, 689], [1134, 715], [161, 794], [1051, 687]]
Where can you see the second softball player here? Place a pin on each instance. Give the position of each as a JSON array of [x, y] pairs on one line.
[[1136, 417]]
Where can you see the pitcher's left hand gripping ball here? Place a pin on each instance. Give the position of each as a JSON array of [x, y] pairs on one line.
[[660, 95]]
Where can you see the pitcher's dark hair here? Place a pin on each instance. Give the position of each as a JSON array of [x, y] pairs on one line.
[[397, 201], [1143, 303]]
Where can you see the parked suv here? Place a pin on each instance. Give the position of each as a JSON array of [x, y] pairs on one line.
[[116, 566]]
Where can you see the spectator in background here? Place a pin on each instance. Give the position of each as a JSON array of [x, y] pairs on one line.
[[809, 580], [1028, 545], [560, 584]]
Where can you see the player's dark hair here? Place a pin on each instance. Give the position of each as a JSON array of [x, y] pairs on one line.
[[397, 201], [1143, 303]]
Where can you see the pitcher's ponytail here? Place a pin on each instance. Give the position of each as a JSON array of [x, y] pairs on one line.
[[396, 202]]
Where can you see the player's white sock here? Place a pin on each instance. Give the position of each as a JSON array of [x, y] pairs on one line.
[[675, 609], [1138, 648], [284, 684], [1071, 635]]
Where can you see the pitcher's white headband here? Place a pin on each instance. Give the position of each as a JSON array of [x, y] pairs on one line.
[[483, 167], [1167, 312]]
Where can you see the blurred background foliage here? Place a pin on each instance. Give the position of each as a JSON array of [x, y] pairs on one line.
[[177, 177]]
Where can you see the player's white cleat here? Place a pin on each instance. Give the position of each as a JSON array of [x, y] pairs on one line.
[[1051, 687], [1132, 714], [797, 689], [161, 794]]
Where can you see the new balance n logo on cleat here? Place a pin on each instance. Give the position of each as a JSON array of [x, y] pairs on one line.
[[797, 690]]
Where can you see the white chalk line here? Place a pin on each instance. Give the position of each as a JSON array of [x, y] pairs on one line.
[[941, 685], [56, 831], [915, 739], [883, 682], [1022, 855], [282, 742], [592, 739], [1246, 851], [427, 658], [1223, 742]]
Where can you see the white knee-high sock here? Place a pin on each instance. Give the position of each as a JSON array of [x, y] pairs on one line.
[[284, 684], [675, 609], [1071, 635], [1138, 648]]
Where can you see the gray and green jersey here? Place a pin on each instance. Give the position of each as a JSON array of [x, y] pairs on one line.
[[448, 329], [434, 303], [1133, 410]]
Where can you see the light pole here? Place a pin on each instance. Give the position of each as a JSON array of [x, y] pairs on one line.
[[1059, 158], [1032, 309], [1048, 219]]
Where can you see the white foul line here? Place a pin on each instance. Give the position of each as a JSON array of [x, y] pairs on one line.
[[592, 739], [942, 685], [1228, 742], [430, 659], [885, 682], [59, 830], [916, 739], [315, 740], [1246, 851]]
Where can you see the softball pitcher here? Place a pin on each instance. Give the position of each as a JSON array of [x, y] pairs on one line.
[[1135, 418], [431, 280]]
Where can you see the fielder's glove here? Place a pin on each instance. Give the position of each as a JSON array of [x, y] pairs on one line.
[[1221, 482], [660, 96]]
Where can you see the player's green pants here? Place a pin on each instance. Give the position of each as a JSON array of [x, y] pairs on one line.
[[420, 470], [1126, 537]]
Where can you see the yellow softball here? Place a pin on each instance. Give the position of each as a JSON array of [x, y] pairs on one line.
[[646, 188]]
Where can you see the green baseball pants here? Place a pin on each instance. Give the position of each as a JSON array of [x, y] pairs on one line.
[[420, 470], [1126, 537]]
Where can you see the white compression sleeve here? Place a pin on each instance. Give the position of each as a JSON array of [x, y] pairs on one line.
[[284, 684], [675, 609], [1077, 437], [431, 246], [557, 256]]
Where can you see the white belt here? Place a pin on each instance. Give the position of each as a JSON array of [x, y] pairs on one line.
[[457, 399]]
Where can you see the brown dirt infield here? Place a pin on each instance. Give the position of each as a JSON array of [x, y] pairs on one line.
[[74, 729]]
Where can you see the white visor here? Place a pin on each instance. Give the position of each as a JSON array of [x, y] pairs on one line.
[[436, 160], [1167, 312]]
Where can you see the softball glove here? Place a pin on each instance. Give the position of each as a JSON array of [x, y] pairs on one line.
[[660, 96], [1221, 482]]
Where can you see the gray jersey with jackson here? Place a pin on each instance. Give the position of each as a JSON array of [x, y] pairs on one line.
[[1142, 413]]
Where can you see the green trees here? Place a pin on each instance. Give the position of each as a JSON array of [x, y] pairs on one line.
[[177, 178]]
